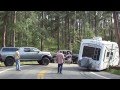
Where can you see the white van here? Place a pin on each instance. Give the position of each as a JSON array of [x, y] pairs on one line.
[[97, 54]]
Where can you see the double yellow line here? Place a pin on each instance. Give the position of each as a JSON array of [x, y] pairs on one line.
[[42, 73]]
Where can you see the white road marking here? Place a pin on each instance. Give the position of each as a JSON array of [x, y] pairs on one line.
[[99, 75], [8, 69]]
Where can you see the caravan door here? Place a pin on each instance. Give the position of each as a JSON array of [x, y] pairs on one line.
[[106, 59]]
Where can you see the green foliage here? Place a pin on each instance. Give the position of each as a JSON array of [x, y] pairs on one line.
[[88, 32], [72, 26], [51, 44], [113, 71], [76, 48]]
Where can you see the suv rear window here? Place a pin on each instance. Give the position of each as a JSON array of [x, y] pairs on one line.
[[9, 49]]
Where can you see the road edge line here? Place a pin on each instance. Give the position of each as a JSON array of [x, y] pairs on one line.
[[8, 69], [99, 75]]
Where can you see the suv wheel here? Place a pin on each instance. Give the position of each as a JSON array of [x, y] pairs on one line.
[[40, 62], [45, 61], [9, 61], [54, 59]]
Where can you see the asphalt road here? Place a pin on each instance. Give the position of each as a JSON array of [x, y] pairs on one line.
[[36, 71]]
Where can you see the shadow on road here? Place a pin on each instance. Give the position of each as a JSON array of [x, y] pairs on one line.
[[88, 70], [79, 69], [30, 64]]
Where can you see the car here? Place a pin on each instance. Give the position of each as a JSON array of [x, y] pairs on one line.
[[63, 51], [26, 54], [74, 56]]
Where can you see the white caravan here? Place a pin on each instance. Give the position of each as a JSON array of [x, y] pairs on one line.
[[97, 54]]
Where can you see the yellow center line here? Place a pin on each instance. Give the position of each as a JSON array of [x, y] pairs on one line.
[[42, 73]]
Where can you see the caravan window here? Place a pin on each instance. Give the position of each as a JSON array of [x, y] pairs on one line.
[[91, 52], [109, 53]]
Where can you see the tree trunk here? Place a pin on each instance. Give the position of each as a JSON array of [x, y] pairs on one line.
[[62, 35], [58, 31], [69, 39], [14, 22], [65, 35], [4, 29], [84, 33], [89, 18], [80, 28], [21, 41], [10, 39], [95, 23], [74, 28], [104, 22], [19, 38], [11, 31], [111, 35], [58, 48], [4, 36], [39, 17], [41, 32], [116, 25]]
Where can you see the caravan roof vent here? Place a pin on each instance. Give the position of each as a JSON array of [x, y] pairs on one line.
[[97, 38]]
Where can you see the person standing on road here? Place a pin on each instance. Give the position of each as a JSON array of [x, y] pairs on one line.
[[60, 59], [69, 57], [17, 60]]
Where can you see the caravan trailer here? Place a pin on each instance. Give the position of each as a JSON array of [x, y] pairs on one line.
[[97, 54]]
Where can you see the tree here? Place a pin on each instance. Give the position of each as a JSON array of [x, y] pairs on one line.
[[14, 23], [4, 28], [117, 27], [54, 30]]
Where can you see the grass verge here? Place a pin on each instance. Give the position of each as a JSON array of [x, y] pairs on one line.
[[113, 71]]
